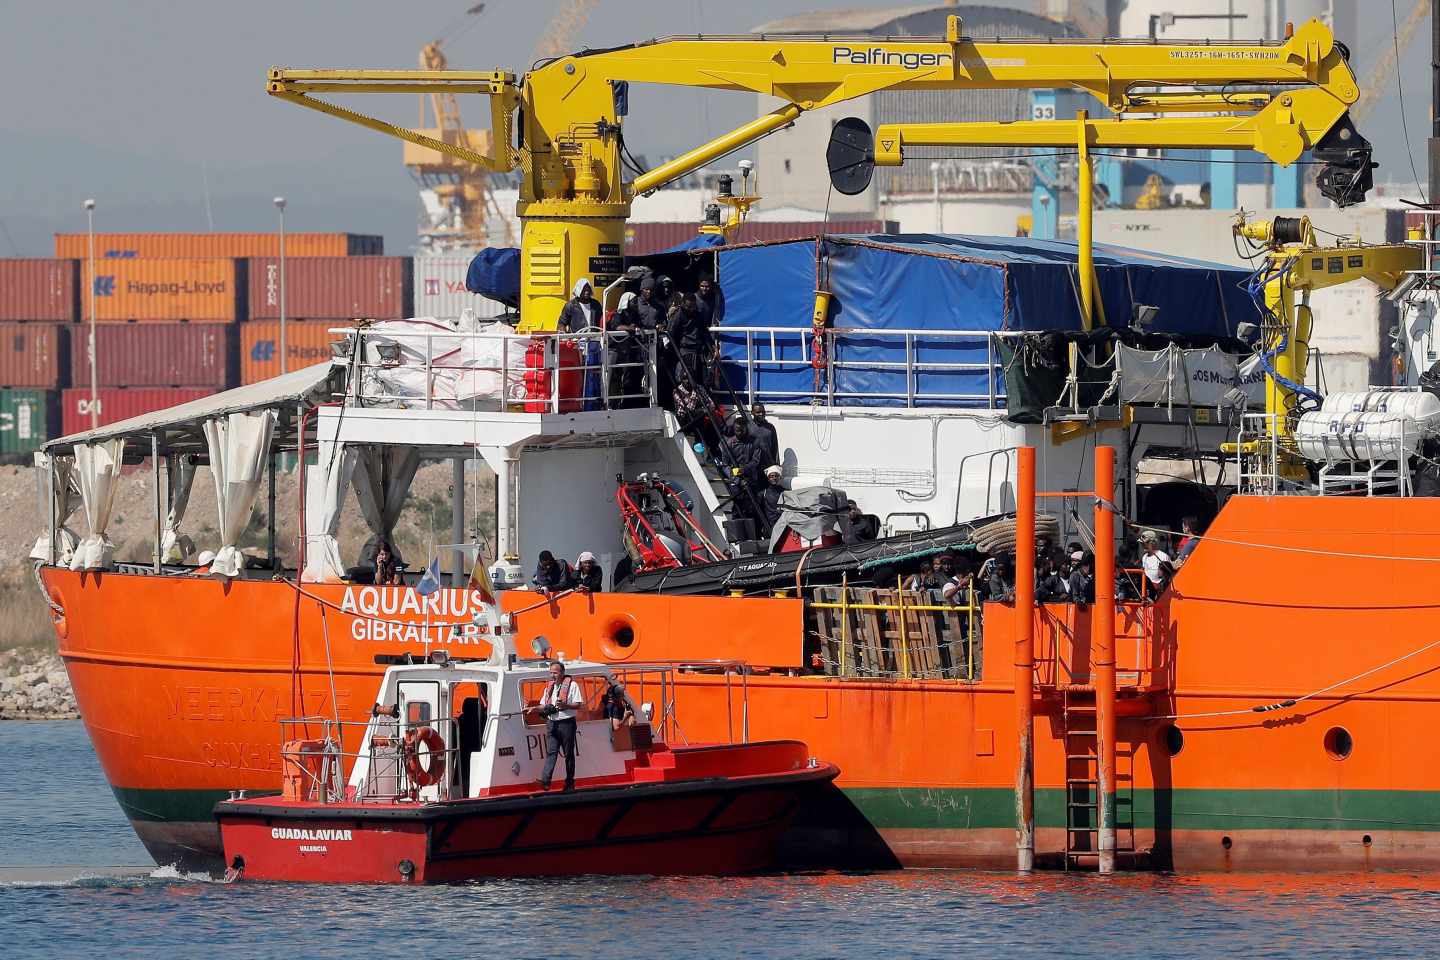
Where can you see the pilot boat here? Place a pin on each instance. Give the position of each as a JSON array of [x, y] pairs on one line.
[[442, 785]]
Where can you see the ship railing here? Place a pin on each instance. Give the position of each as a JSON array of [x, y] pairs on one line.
[[318, 769], [657, 679], [896, 634], [762, 356], [1062, 642], [540, 373]]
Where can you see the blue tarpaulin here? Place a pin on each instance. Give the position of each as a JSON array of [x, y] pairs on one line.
[[495, 273], [701, 241], [942, 287]]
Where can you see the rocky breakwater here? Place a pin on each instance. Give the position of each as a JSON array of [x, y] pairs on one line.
[[34, 686]]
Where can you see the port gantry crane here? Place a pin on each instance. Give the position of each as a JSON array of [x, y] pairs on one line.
[[562, 123]]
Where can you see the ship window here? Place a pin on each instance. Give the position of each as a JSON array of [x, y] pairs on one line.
[[1174, 740], [1338, 743]]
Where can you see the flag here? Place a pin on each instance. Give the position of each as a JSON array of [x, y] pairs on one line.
[[431, 581], [480, 580]]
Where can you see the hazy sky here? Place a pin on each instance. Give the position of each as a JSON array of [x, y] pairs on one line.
[[138, 103]]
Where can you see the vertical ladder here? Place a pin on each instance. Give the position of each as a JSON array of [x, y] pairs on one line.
[[1082, 776], [1082, 784]]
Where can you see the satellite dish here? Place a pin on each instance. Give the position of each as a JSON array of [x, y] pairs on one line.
[[541, 646], [851, 156]]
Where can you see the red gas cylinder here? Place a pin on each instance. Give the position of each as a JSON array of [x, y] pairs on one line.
[[542, 356]]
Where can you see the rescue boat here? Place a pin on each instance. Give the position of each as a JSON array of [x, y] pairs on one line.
[[442, 786]]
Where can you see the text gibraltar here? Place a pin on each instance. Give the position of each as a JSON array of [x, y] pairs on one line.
[[880, 57]]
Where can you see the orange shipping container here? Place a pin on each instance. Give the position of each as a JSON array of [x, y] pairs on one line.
[[110, 246], [306, 342], [205, 290]]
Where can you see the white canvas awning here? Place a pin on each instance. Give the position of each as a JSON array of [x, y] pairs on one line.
[[182, 425]]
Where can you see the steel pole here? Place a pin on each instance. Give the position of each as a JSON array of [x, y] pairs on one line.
[[94, 377], [457, 521], [1433, 147], [1102, 650], [1025, 660], [1084, 221], [284, 357]]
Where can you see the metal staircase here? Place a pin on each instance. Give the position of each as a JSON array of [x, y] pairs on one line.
[[732, 496]]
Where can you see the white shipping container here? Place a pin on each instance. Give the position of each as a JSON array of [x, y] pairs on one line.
[[440, 289]]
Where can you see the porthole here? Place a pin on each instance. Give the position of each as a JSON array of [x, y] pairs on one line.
[[1174, 740], [1338, 743], [1226, 842], [620, 638]]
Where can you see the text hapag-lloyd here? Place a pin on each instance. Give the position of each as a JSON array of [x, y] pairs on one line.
[[174, 288], [880, 57]]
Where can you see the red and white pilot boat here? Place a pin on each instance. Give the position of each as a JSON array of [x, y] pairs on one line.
[[442, 784]]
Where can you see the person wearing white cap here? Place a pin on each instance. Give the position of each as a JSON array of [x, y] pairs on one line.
[[588, 576], [1156, 562], [770, 495]]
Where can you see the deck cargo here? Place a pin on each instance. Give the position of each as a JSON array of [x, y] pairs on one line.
[[36, 288], [331, 288], [895, 302], [120, 403], [646, 238], [192, 289], [27, 419], [149, 246], [306, 342], [158, 355], [440, 289], [33, 354]]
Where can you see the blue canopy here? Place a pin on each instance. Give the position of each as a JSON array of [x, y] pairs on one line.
[[495, 273], [949, 284]]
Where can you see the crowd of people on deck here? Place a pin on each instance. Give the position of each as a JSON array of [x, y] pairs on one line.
[[681, 325]]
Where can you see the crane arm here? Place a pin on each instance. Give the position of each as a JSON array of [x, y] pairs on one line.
[[574, 198]]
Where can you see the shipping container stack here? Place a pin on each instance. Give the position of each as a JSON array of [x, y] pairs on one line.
[[174, 320]]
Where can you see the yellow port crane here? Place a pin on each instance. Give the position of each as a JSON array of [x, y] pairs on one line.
[[462, 188], [1280, 98]]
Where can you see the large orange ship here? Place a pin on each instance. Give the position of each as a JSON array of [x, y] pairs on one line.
[[1258, 712], [181, 687]]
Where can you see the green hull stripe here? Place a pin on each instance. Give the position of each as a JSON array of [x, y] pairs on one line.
[[992, 808], [165, 806], [920, 808]]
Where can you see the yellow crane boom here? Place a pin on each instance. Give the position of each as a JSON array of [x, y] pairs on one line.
[[574, 198]]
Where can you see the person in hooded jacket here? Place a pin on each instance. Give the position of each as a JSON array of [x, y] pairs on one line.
[[690, 335], [582, 311], [627, 355], [649, 315]]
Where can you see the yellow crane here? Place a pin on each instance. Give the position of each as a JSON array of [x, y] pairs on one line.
[[461, 188], [1280, 98]]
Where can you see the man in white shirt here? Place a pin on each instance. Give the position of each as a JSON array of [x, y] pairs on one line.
[[1156, 562], [558, 704]]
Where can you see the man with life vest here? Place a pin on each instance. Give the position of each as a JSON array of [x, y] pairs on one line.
[[558, 705]]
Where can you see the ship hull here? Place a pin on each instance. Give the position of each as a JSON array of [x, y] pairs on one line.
[[180, 683]]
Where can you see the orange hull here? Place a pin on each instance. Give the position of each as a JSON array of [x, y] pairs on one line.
[[180, 683]]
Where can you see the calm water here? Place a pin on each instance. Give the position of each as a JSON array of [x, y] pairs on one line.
[[64, 816]]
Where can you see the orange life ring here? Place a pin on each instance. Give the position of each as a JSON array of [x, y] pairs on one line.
[[421, 775]]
